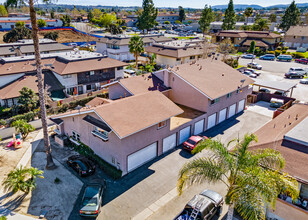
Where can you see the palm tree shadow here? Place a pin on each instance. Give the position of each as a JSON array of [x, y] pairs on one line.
[[14, 203]]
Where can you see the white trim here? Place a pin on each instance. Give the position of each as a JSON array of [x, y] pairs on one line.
[[106, 123], [126, 88], [73, 114]]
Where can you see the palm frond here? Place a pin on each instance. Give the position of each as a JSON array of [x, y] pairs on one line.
[[200, 170], [269, 158]]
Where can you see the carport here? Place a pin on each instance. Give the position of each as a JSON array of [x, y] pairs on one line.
[[276, 85]]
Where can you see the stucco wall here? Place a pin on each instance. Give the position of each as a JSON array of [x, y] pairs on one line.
[[116, 91], [67, 82], [287, 211]]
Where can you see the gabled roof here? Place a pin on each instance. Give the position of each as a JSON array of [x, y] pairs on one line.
[[211, 77], [299, 31], [252, 34]]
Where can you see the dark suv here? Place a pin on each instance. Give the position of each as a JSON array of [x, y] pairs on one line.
[[203, 206]]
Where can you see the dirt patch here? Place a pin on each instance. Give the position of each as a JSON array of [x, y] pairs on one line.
[[65, 36]]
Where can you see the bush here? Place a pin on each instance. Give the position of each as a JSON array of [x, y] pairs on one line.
[[3, 217], [285, 48], [3, 122], [298, 55], [106, 167], [6, 112], [124, 28], [270, 52], [284, 51], [26, 117], [277, 53], [53, 35]]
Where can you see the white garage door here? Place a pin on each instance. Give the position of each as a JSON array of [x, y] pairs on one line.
[[199, 127], [222, 115], [211, 121], [142, 156], [184, 134], [231, 110], [241, 106], [169, 143]]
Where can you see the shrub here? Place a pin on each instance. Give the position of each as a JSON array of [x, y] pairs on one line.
[[3, 122], [124, 28], [299, 55], [285, 48], [21, 126], [3, 217], [53, 35], [106, 167], [277, 52], [284, 51], [26, 117]]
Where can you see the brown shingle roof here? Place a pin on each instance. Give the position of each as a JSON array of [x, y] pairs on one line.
[[258, 43], [299, 31], [135, 113], [125, 41], [243, 34], [214, 78], [98, 101], [271, 136]]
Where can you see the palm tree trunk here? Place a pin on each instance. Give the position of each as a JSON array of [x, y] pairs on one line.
[[50, 164], [136, 58], [230, 212]]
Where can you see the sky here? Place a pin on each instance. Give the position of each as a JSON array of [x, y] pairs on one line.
[[174, 3]]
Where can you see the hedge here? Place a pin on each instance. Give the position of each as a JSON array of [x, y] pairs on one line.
[[29, 116], [106, 167]]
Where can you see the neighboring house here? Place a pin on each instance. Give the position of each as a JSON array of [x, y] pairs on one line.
[[241, 39], [150, 114], [8, 23], [131, 20], [116, 46], [287, 133], [216, 26], [162, 17], [77, 72], [181, 51], [296, 36], [25, 47]]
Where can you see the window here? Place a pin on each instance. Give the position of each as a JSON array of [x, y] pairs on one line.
[[120, 68], [239, 91], [92, 73], [192, 57], [229, 95], [88, 87], [75, 136], [303, 38], [67, 76], [178, 59], [162, 124], [214, 101], [100, 133]]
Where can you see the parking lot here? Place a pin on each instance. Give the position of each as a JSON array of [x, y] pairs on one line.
[[275, 70]]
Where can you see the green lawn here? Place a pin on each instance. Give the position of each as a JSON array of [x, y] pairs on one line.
[[183, 38]]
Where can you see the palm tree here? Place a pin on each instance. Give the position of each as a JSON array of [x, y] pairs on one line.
[[14, 3], [136, 47], [248, 12], [22, 179], [253, 179], [262, 24]]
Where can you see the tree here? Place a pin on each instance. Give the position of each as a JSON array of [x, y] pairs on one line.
[[177, 22], [291, 17], [3, 11], [166, 22], [41, 23], [52, 14], [107, 19], [23, 127], [20, 24], [272, 18], [13, 3], [52, 35], [230, 19], [90, 15], [182, 15], [27, 99], [207, 17], [22, 179], [16, 34], [66, 20], [218, 16], [248, 12], [136, 47], [97, 13], [252, 47], [226, 47], [261, 25], [147, 18], [253, 179], [114, 29]]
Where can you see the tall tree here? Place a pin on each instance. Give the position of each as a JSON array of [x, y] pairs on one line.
[[252, 179], [207, 17], [66, 20], [136, 47], [13, 3], [272, 18], [248, 12], [90, 15], [147, 18], [3, 11], [182, 15], [252, 47], [230, 18], [27, 99], [52, 14], [291, 17]]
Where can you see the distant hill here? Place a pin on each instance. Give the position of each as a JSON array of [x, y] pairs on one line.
[[300, 5], [236, 6]]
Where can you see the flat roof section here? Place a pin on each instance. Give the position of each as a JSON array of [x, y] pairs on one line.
[[299, 133], [283, 86]]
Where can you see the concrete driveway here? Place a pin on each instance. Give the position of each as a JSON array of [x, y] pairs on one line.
[[135, 195]]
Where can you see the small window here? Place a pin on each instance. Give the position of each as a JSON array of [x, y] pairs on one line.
[[75, 136], [239, 91], [113, 160], [229, 95], [120, 68], [214, 101], [88, 87], [178, 59], [92, 73], [67, 76], [162, 124], [192, 57]]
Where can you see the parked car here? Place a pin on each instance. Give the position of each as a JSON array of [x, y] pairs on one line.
[[192, 142], [298, 70], [250, 74], [287, 58], [85, 45], [264, 90], [92, 199], [267, 57], [304, 81], [294, 75], [254, 65], [276, 103], [82, 165], [254, 71], [281, 93], [203, 206], [302, 60], [73, 44], [249, 56], [241, 69]]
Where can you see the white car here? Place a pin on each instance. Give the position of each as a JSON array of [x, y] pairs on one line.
[[298, 70], [304, 81], [254, 66]]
